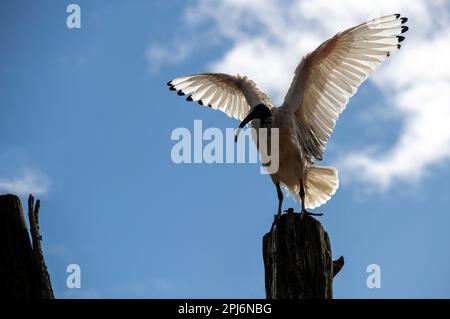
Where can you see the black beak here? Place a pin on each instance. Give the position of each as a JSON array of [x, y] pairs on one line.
[[250, 117]]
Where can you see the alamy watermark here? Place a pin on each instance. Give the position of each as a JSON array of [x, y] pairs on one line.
[[74, 278], [226, 148], [374, 279], [73, 20]]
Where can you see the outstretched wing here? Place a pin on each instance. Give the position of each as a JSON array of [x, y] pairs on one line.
[[328, 77], [233, 95]]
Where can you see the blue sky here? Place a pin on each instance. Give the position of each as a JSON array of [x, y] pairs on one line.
[[86, 120]]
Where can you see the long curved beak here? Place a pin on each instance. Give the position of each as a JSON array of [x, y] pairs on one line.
[[251, 116]]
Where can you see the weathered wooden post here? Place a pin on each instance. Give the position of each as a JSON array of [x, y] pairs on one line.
[[297, 259], [23, 273]]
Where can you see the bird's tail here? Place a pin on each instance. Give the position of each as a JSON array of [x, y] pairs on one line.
[[321, 183]]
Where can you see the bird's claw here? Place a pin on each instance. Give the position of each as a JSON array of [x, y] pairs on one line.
[[306, 213], [277, 217], [289, 211]]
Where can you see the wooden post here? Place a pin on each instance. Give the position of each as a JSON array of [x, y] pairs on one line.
[[297, 259], [23, 273]]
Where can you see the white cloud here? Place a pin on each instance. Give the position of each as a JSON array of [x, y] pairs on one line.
[[268, 38], [419, 87], [158, 55], [29, 181]]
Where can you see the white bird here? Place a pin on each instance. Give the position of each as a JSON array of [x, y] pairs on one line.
[[323, 83]]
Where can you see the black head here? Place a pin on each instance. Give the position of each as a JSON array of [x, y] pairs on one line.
[[259, 111]]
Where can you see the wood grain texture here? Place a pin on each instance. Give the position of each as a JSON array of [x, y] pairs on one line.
[[22, 268], [298, 260]]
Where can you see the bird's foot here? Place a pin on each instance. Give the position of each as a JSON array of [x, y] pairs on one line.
[[277, 217], [306, 213], [289, 211]]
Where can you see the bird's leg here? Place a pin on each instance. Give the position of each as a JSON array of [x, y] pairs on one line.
[[280, 203], [280, 199], [302, 197]]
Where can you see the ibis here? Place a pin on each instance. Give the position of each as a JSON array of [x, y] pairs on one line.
[[323, 83]]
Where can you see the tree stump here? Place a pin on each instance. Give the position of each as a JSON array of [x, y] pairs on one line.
[[23, 273], [297, 259]]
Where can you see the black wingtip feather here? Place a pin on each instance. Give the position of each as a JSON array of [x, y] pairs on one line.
[[399, 46], [200, 102], [398, 15], [404, 29], [172, 88], [404, 19], [180, 93], [189, 98], [209, 105], [400, 38], [169, 83]]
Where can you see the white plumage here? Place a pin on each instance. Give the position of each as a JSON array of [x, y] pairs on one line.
[[323, 83]]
